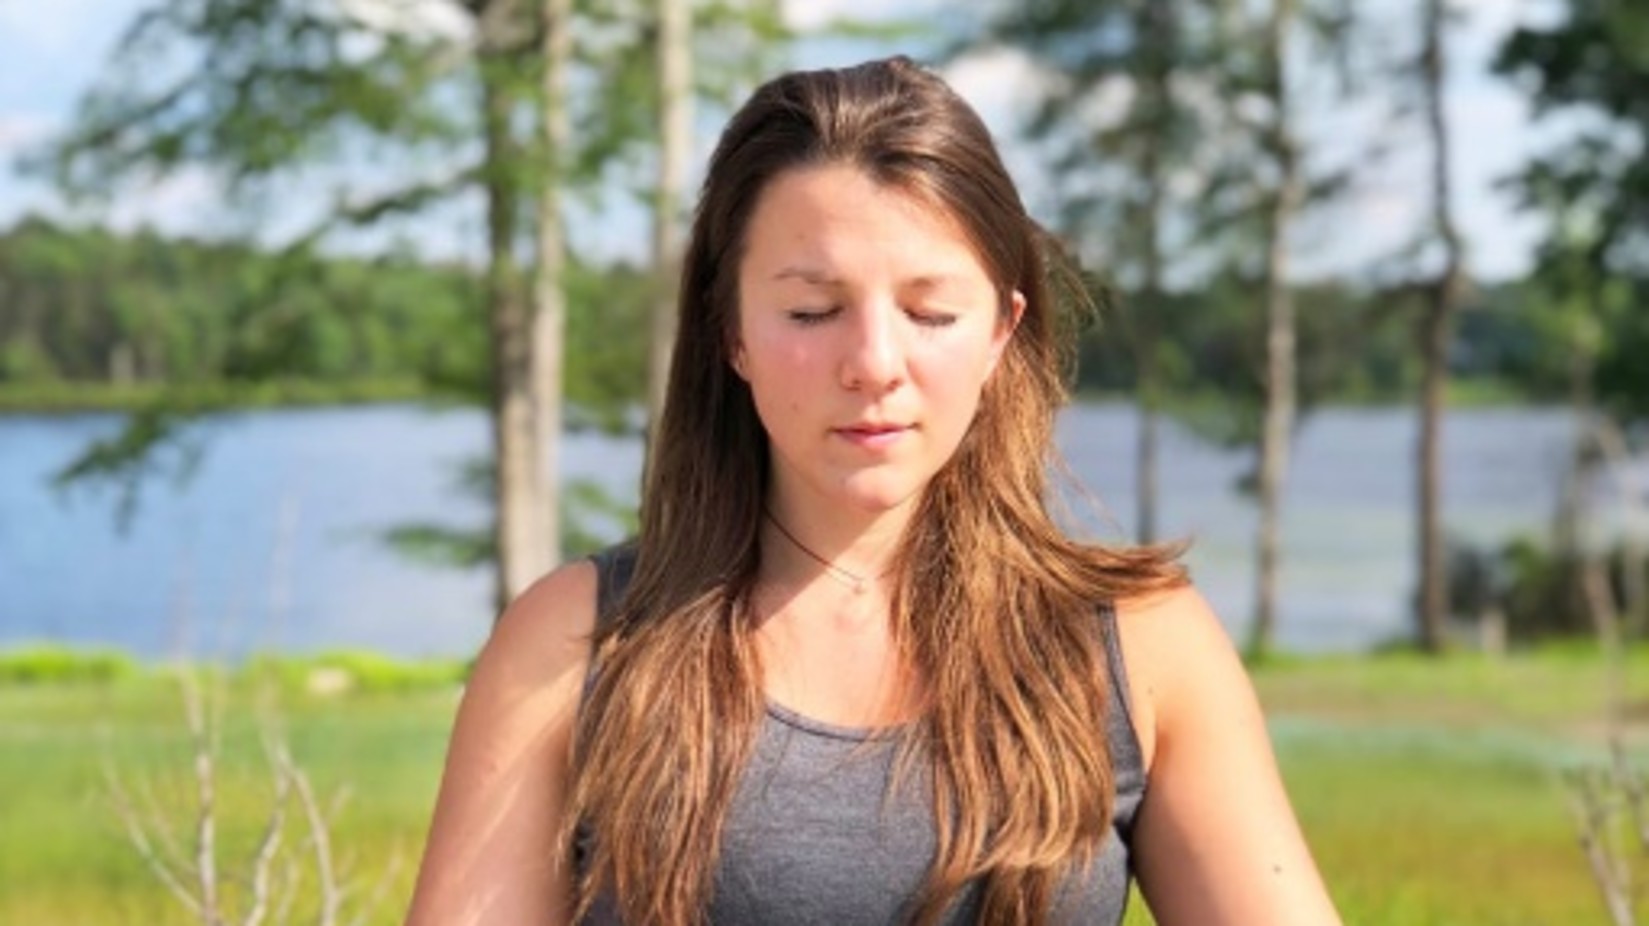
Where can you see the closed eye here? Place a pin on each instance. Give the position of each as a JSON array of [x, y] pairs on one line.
[[932, 319], [812, 316]]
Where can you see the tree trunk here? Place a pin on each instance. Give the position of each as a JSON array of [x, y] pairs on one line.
[[123, 363], [1435, 335], [1145, 447], [1156, 24], [550, 312], [519, 527], [675, 95], [1568, 525], [1279, 342]]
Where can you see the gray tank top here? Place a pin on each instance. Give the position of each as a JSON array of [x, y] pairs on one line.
[[810, 840]]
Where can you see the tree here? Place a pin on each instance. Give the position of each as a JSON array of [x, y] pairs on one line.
[[674, 39], [550, 289], [270, 90], [1594, 184], [1279, 382], [405, 107], [1435, 336], [1117, 161], [1594, 191]]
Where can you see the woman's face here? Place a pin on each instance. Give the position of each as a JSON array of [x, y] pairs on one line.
[[867, 328]]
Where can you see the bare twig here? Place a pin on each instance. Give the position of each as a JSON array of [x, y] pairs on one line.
[[263, 860], [1608, 871], [1635, 524], [1599, 796], [200, 730], [320, 841], [1634, 789], [274, 877], [292, 879], [159, 832], [138, 834]]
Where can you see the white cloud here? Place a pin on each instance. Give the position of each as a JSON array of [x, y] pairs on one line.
[[187, 201], [996, 84], [62, 25], [19, 131], [433, 19], [1496, 17], [814, 14]]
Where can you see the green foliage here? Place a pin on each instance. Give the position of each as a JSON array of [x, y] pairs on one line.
[[606, 353], [442, 544], [88, 306], [591, 519], [1592, 190], [357, 672], [251, 86], [1537, 589], [1353, 348], [61, 664]]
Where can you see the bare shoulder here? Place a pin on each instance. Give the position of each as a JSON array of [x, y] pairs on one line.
[[547, 628], [1216, 841], [492, 853], [1176, 652]]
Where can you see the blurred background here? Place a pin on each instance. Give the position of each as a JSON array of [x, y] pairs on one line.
[[327, 325]]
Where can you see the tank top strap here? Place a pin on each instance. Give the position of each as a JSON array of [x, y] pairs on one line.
[[1122, 737], [1117, 672], [613, 568]]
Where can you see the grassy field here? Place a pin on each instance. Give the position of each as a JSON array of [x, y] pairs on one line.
[[1428, 791]]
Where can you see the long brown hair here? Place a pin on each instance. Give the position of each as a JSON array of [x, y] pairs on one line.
[[994, 607]]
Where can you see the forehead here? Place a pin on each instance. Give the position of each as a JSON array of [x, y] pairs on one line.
[[837, 224]]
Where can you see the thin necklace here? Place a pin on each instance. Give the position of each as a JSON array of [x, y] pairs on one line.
[[852, 580]]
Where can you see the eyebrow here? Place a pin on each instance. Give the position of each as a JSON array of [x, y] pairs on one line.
[[817, 277]]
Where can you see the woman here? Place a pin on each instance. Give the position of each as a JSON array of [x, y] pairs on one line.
[[851, 671]]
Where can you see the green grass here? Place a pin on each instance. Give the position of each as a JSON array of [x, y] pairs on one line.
[[64, 857], [1428, 790]]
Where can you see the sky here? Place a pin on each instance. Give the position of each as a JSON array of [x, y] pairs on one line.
[[51, 52]]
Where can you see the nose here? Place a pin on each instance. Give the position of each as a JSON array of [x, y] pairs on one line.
[[873, 359]]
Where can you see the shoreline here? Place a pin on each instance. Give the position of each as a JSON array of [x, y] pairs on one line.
[[74, 398]]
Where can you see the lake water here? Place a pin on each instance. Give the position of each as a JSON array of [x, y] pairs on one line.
[[274, 542]]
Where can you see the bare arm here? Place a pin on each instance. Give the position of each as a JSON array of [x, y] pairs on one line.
[[491, 857], [1216, 840]]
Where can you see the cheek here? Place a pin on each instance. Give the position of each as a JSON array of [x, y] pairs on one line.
[[957, 372], [778, 358]]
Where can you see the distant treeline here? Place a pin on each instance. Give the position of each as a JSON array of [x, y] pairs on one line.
[[1356, 345], [81, 306]]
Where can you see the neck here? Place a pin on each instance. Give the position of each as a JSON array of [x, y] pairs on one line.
[[854, 548]]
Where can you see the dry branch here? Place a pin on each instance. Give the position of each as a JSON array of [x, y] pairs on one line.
[[274, 874]]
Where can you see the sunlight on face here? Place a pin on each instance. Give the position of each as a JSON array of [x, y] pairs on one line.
[[867, 329]]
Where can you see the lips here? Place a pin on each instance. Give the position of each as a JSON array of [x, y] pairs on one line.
[[873, 436]]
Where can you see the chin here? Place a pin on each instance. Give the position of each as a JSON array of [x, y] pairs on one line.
[[878, 496]]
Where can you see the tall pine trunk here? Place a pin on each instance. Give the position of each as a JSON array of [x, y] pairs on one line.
[[1155, 23], [550, 311], [1435, 335], [675, 97], [1279, 379], [519, 527]]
